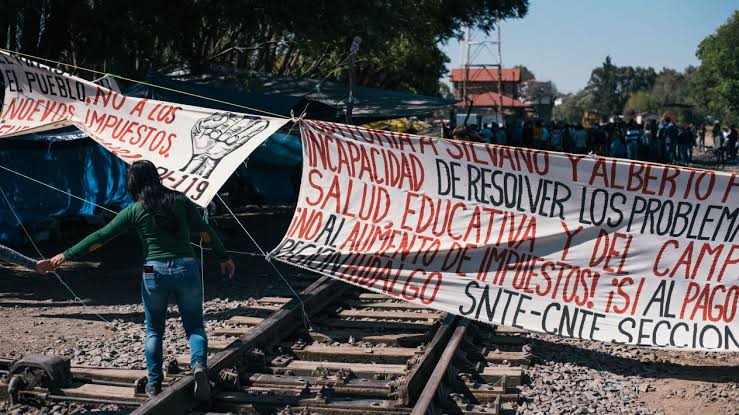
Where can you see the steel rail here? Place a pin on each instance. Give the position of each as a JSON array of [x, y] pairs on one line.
[[179, 398], [424, 405], [411, 388]]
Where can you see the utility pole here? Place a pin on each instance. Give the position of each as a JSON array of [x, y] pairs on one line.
[[466, 60], [500, 71]]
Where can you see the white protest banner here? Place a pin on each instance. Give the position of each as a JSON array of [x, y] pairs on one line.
[[195, 149], [578, 246]]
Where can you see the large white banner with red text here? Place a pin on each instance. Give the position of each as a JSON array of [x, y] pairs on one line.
[[578, 246], [195, 149]]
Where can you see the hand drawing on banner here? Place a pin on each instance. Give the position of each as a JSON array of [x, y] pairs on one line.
[[216, 136]]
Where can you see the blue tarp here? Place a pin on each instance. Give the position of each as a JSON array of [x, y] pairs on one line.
[[82, 168], [273, 169]]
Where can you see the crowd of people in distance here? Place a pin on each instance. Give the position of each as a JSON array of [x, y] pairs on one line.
[[662, 142]]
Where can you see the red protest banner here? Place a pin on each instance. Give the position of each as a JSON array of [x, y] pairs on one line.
[[585, 247]]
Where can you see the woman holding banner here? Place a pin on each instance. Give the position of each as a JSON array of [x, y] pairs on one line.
[[164, 220]]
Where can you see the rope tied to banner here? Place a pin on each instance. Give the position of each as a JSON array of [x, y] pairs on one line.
[[202, 261]]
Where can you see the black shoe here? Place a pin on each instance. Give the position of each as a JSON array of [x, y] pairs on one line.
[[152, 390], [202, 386]]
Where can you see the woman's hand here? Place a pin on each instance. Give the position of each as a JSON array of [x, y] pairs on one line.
[[58, 260], [44, 266], [228, 268]]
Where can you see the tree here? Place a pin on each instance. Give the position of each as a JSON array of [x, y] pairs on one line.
[[632, 79], [718, 74], [399, 47], [639, 102], [534, 91], [712, 89], [612, 85], [673, 91], [603, 84], [573, 106], [526, 74], [669, 87], [445, 91]]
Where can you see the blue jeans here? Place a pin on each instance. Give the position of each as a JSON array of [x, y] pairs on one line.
[[632, 149], [671, 152], [162, 278], [683, 152]]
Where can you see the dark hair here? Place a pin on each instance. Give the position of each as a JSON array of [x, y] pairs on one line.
[[146, 187], [461, 132]]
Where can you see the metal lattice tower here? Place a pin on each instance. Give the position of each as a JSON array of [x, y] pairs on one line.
[[475, 48]]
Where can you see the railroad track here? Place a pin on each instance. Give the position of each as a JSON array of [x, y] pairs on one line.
[[364, 353]]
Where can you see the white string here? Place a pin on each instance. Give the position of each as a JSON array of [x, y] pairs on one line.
[[202, 265], [293, 126], [202, 274], [296, 120], [58, 277], [306, 320], [58, 190], [107, 209]]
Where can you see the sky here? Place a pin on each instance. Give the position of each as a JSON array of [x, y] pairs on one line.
[[563, 40]]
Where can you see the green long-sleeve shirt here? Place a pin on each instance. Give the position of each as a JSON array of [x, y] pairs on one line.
[[157, 243]]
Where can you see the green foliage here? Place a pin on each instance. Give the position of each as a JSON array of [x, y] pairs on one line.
[[445, 91], [718, 74], [639, 102], [536, 90], [711, 90], [399, 47], [573, 106], [612, 85], [526, 73], [671, 91]]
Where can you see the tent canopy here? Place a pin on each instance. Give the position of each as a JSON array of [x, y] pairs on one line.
[[370, 104], [222, 94]]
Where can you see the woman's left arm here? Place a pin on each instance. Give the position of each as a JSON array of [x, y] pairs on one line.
[[208, 235]]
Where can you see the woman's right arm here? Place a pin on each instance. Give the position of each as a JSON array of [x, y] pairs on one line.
[[208, 235], [120, 224]]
